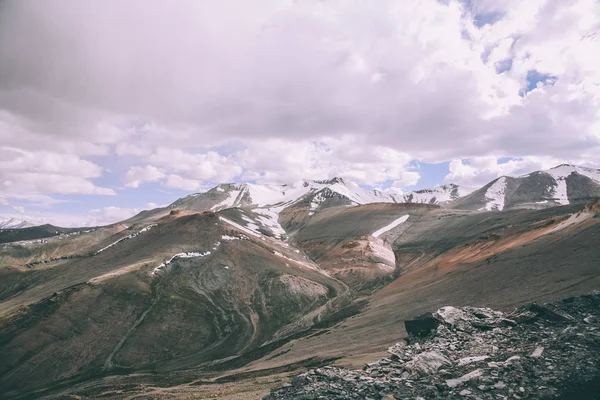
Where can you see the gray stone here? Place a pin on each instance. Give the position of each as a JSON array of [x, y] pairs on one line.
[[427, 362], [423, 325], [500, 385], [452, 383], [537, 352], [470, 360]]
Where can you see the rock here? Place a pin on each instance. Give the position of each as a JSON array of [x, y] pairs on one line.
[[451, 315], [397, 349], [423, 325], [424, 368], [500, 385], [525, 316], [427, 362], [537, 352], [549, 313], [452, 383], [470, 360]]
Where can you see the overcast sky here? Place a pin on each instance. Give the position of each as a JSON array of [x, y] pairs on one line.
[[108, 107]]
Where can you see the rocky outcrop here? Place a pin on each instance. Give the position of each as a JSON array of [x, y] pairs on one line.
[[549, 351]]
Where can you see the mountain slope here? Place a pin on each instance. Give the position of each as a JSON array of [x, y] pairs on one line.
[[273, 198], [13, 223], [38, 232], [437, 195], [561, 185], [188, 292]]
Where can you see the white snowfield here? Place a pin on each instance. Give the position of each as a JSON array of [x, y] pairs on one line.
[[560, 190], [146, 229], [268, 218], [392, 225], [564, 170], [276, 197], [496, 195], [240, 227], [437, 194], [13, 223], [560, 175], [230, 238]]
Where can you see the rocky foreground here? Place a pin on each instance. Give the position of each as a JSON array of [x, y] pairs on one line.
[[549, 351]]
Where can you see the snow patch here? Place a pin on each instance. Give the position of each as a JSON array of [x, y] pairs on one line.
[[392, 225], [269, 219], [240, 227], [278, 254], [496, 195], [438, 194], [560, 189], [190, 254], [227, 237], [228, 202], [381, 251], [251, 224], [317, 201], [564, 170], [146, 229]]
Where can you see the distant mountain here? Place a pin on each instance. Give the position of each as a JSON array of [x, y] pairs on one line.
[[561, 185], [13, 223], [279, 196], [437, 195], [33, 233], [272, 199], [297, 202]]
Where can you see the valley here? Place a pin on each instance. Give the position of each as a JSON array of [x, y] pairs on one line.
[[239, 286]]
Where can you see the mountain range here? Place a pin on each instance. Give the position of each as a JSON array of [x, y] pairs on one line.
[[13, 223], [238, 285]]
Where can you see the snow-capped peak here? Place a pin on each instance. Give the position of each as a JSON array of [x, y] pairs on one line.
[[13, 223], [278, 196], [564, 170], [438, 194]]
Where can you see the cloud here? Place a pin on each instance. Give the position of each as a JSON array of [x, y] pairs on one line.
[[136, 175], [390, 70], [23, 172], [481, 170], [285, 90], [96, 217]]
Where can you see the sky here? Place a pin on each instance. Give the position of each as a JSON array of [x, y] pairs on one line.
[[111, 107]]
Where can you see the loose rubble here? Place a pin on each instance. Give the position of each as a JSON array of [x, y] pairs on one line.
[[549, 351]]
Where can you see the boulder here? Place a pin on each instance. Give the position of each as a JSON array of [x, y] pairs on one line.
[[422, 326], [452, 383], [427, 362]]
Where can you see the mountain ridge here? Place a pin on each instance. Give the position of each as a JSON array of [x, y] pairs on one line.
[[8, 222]]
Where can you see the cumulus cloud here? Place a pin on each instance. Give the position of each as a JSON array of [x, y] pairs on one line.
[[191, 93], [95, 217], [31, 172], [136, 175], [481, 170]]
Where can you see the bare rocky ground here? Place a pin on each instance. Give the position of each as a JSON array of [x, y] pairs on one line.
[[549, 351]]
